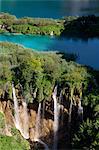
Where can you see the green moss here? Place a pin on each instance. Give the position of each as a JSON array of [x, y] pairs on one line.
[[10, 143]]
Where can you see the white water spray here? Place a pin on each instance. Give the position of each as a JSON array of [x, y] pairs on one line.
[[56, 118], [37, 125], [52, 34], [71, 104], [43, 111], [17, 118], [70, 111], [61, 107], [38, 128], [22, 127], [25, 127], [80, 110]]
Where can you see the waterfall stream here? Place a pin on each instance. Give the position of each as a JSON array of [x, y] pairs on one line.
[[17, 118], [61, 106], [56, 118], [70, 111], [21, 119], [43, 111], [25, 127], [21, 126], [80, 110], [38, 129], [37, 125]]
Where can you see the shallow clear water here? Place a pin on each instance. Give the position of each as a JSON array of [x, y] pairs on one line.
[[87, 51], [50, 8]]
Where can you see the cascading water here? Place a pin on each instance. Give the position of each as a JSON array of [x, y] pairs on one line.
[[56, 118], [61, 106], [80, 110], [43, 111], [70, 111], [34, 94], [22, 127], [71, 104], [17, 118], [42, 116], [37, 125], [38, 128], [25, 126]]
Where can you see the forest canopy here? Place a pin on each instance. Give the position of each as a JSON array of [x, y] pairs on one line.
[[41, 72]]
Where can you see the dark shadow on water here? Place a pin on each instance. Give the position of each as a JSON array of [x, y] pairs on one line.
[[67, 56], [80, 38]]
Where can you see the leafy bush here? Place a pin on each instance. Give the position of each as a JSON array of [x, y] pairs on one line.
[[12, 144]]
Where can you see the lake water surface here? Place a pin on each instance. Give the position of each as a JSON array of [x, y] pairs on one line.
[[87, 50], [50, 8]]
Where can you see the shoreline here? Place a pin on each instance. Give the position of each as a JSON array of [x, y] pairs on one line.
[[70, 26], [52, 52]]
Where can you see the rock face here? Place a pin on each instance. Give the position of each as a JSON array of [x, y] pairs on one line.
[[46, 124], [6, 110], [46, 119]]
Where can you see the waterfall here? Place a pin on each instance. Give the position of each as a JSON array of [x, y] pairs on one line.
[[17, 118], [43, 111], [25, 127], [56, 118], [38, 121], [38, 128], [52, 33], [70, 111], [42, 116], [80, 110], [71, 104], [22, 127], [61, 106]]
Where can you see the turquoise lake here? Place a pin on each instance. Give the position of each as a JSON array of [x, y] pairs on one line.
[[87, 50], [50, 8]]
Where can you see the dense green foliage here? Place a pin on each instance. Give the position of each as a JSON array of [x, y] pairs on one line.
[[71, 26], [88, 135], [85, 26], [28, 25], [12, 143], [38, 70], [41, 72]]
